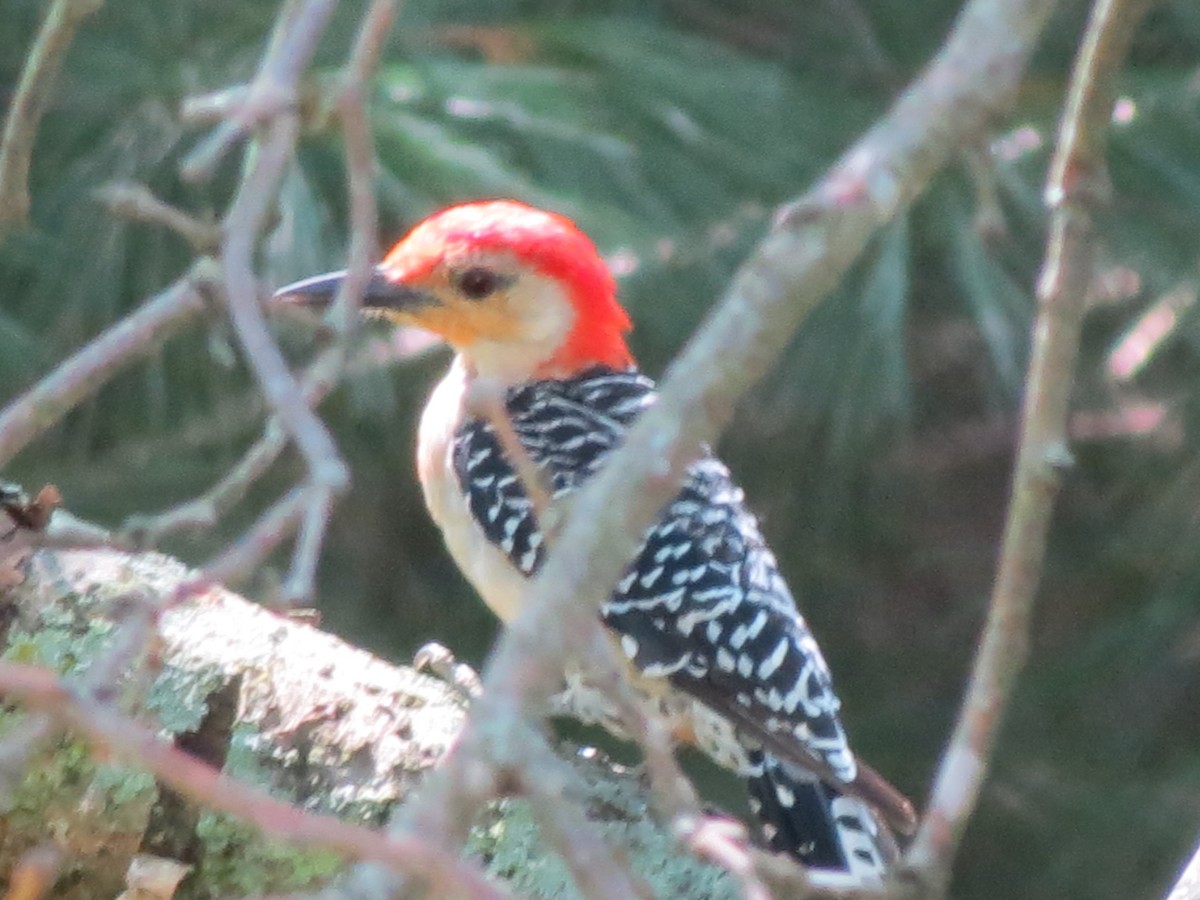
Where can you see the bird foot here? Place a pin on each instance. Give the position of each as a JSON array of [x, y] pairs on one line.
[[440, 660]]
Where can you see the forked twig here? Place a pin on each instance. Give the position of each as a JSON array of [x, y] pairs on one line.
[[204, 511], [270, 96], [138, 203]]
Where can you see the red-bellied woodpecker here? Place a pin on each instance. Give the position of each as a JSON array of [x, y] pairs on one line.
[[528, 304]]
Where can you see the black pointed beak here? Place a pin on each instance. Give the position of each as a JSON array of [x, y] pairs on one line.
[[381, 293]]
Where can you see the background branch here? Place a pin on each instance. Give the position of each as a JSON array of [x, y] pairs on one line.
[[81, 375], [29, 102], [1077, 184]]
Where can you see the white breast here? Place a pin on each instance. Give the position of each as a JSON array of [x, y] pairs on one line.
[[498, 582]]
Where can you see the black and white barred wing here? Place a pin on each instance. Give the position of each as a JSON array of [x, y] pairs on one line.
[[703, 604]]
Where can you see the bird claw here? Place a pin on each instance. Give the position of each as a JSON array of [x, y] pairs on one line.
[[440, 660]]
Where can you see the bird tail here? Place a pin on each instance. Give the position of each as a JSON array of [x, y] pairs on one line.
[[815, 823]]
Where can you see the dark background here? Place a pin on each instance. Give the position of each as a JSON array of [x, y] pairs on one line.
[[878, 452]]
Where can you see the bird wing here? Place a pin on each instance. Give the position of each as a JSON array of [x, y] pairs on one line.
[[703, 604]]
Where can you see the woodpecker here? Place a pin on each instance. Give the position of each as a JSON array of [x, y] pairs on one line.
[[702, 613]]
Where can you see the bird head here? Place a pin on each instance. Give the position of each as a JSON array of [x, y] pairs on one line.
[[520, 293]]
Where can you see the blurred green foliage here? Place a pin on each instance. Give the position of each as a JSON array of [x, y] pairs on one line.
[[878, 452]]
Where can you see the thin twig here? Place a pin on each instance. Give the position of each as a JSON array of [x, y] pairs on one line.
[[203, 512], [271, 96], [82, 374], [283, 393], [206, 510], [138, 203], [100, 724], [360, 161], [272, 528], [301, 579], [1077, 183], [360, 168], [973, 79], [29, 102], [485, 400], [273, 88]]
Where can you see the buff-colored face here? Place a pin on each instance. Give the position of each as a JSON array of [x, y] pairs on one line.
[[487, 306]]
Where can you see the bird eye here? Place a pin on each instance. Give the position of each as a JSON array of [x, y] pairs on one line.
[[478, 282]]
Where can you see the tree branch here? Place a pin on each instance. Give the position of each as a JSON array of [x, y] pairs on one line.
[[1077, 183], [29, 102], [81, 375]]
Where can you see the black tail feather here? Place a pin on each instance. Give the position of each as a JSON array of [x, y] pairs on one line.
[[813, 822]]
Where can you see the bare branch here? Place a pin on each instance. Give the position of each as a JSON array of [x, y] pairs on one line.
[[1077, 183], [29, 102], [270, 100], [137, 203], [360, 161], [271, 95], [273, 527], [242, 225], [87, 370], [360, 167]]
